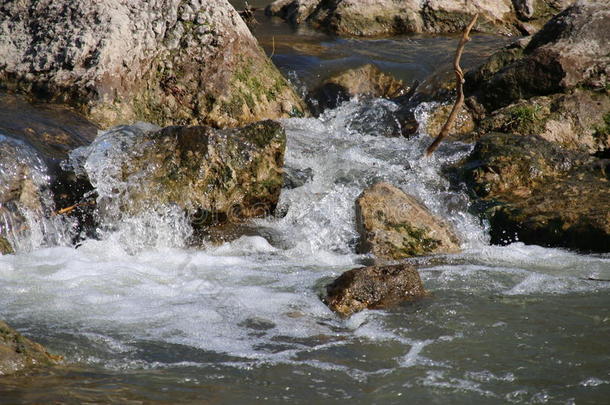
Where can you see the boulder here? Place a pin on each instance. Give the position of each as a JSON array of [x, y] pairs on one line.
[[533, 191], [367, 81], [571, 51], [118, 61], [394, 225], [393, 17], [375, 287], [18, 353], [214, 175]]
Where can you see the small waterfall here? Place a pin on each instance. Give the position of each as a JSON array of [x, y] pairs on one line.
[[27, 217]]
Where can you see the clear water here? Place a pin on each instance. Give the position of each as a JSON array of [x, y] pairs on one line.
[[140, 318]]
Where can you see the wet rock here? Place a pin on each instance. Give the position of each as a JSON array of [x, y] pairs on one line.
[[376, 287], [118, 61], [536, 192], [570, 51], [391, 17], [213, 175], [578, 119], [18, 353], [5, 247], [24, 186], [464, 123], [366, 81], [394, 225], [294, 178]]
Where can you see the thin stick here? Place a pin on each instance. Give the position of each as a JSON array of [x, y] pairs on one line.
[[73, 207], [272, 47], [459, 78]]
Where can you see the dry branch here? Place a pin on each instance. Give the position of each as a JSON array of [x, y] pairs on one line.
[[459, 78]]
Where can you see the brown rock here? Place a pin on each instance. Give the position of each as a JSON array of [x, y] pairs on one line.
[[18, 353], [376, 287], [367, 80], [394, 225]]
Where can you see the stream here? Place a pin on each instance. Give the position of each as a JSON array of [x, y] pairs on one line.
[[150, 320]]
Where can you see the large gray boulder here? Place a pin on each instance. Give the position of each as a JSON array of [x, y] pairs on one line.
[[164, 61], [391, 17], [393, 225], [376, 287]]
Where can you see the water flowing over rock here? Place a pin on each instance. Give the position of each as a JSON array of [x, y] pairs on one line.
[[213, 175], [392, 17], [26, 202], [533, 191], [165, 61], [18, 353], [365, 81], [375, 287], [394, 225]]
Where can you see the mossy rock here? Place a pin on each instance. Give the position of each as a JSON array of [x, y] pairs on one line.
[[18, 353], [5, 247]]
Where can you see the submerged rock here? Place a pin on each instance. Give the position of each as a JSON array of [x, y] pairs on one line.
[[391, 17], [119, 61], [394, 225], [213, 175], [18, 353], [367, 81], [533, 191], [376, 287]]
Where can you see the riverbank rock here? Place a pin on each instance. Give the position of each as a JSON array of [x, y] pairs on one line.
[[118, 61], [18, 353], [365, 81], [536, 192], [214, 175], [571, 51], [392, 17], [375, 287], [394, 225]]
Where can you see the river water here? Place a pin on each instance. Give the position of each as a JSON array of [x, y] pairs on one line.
[[151, 320]]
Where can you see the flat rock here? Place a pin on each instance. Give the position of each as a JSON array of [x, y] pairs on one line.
[[376, 287]]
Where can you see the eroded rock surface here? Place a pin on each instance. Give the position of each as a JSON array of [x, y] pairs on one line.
[[165, 61], [375, 287], [394, 225]]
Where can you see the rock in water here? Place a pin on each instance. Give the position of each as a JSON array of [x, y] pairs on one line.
[[367, 81], [18, 353], [214, 175], [118, 61], [376, 287], [394, 225], [5, 247], [533, 191]]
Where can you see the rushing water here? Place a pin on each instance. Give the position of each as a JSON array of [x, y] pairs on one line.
[[142, 319]]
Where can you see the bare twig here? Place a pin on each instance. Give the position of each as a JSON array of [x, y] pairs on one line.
[[459, 78], [71, 208]]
